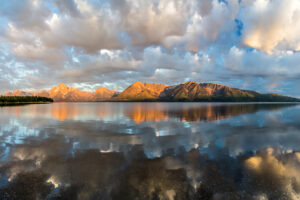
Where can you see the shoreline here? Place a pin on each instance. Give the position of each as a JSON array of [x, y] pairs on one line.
[[21, 103]]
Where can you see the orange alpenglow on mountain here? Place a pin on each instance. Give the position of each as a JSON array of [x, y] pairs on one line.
[[103, 94], [192, 90], [64, 93], [18, 93], [138, 91], [142, 91]]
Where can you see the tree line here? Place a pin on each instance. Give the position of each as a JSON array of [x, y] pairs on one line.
[[24, 99]]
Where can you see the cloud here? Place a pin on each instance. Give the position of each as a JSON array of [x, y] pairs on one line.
[[255, 64], [91, 31], [271, 25], [152, 23], [238, 43], [27, 14]]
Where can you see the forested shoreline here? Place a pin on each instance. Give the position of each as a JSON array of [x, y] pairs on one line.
[[7, 100]]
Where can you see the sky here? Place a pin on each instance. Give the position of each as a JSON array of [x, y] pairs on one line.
[[247, 44]]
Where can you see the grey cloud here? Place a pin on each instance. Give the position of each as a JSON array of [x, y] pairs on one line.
[[68, 7], [150, 23], [205, 7], [26, 14], [158, 41]]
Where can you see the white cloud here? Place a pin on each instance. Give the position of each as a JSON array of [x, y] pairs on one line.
[[271, 25], [159, 40]]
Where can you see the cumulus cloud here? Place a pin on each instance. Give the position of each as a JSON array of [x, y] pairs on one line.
[[271, 25], [150, 23], [239, 43], [271, 68]]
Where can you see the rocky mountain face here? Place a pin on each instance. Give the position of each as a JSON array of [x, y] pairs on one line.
[[197, 91], [189, 91], [211, 92], [103, 94], [64, 93], [141, 91]]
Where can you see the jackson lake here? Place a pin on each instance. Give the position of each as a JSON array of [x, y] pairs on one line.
[[150, 151]]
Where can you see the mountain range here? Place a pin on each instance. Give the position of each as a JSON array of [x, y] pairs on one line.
[[138, 91]]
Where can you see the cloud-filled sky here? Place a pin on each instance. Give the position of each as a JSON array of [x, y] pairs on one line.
[[249, 44]]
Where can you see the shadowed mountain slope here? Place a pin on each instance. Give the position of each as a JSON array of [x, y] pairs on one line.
[[191, 91]]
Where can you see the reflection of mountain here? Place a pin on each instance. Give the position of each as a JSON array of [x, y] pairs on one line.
[[189, 91], [211, 112], [63, 111], [140, 112]]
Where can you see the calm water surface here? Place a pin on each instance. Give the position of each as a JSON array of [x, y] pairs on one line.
[[150, 151]]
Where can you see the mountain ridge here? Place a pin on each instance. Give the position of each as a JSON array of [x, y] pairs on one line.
[[64, 93], [139, 91], [192, 91]]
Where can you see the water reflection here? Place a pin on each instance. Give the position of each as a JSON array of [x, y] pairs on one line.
[[150, 151], [139, 112]]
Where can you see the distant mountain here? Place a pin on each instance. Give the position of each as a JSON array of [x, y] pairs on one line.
[[103, 94], [138, 91], [141, 91], [191, 91], [18, 93], [64, 93]]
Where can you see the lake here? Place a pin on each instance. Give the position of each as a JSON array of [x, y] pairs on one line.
[[150, 151]]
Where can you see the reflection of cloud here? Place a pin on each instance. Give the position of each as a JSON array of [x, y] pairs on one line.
[[29, 154], [276, 174], [88, 158], [270, 173], [53, 181]]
